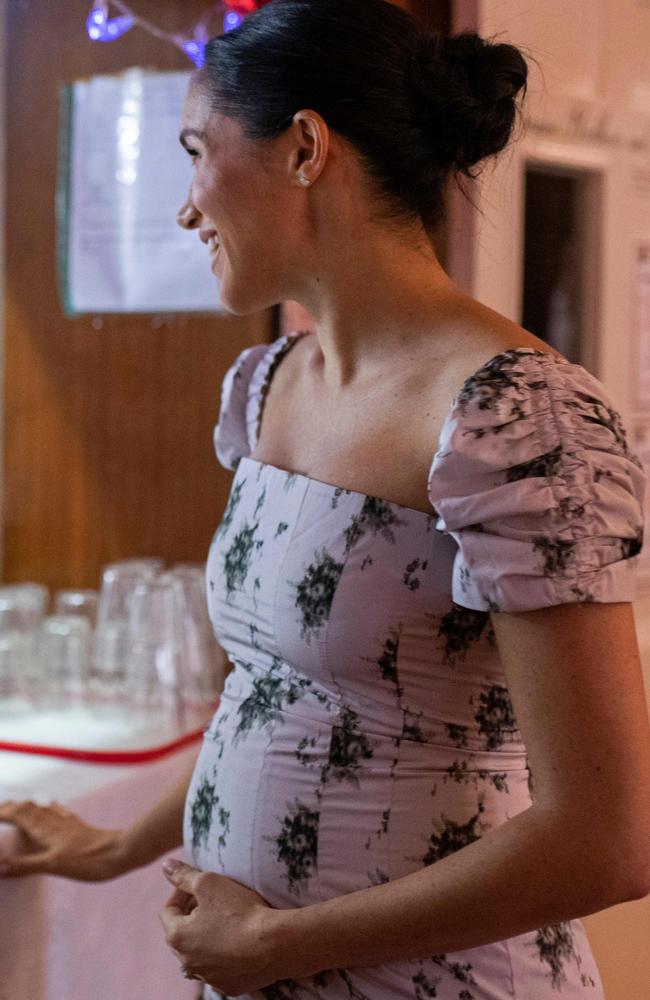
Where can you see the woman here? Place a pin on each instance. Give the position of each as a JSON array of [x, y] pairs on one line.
[[432, 755]]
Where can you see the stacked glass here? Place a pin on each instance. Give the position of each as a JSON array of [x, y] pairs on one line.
[[144, 643]]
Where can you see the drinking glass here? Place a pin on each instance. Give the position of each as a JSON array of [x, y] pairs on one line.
[[64, 649], [77, 602], [203, 667], [154, 660], [22, 607], [111, 639]]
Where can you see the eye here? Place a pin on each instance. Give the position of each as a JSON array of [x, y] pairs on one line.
[[193, 153]]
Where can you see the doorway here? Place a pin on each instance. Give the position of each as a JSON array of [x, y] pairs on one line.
[[561, 286]]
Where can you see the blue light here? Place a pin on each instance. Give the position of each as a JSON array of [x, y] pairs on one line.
[[196, 52], [232, 20], [101, 28]]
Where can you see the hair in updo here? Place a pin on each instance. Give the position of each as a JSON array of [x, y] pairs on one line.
[[416, 105]]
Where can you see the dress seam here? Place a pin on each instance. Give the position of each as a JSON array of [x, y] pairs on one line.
[[512, 969], [256, 812]]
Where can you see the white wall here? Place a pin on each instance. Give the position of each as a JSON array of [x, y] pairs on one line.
[[588, 99]]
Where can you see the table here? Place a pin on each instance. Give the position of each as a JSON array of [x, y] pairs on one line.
[[65, 940]]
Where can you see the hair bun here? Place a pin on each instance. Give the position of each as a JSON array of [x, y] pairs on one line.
[[465, 95], [494, 72]]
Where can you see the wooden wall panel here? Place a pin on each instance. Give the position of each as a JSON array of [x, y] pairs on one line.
[[108, 425], [108, 432]]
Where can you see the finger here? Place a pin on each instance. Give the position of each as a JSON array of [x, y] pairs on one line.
[[179, 897], [9, 809], [170, 917], [20, 813], [181, 875], [185, 901], [25, 864], [60, 810]]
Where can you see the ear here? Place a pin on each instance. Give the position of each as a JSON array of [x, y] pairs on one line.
[[309, 147]]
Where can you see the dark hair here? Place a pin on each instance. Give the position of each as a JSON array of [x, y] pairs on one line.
[[416, 105]]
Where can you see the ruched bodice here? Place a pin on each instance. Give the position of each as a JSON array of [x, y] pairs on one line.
[[367, 730]]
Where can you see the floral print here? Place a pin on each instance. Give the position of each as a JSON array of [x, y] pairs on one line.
[[237, 559], [555, 946], [315, 592], [495, 716], [203, 810], [451, 837], [386, 662], [367, 729], [297, 843], [460, 627], [376, 516], [204, 802], [348, 749], [410, 578], [231, 507]]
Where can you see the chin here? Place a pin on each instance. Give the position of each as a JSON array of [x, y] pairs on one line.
[[243, 305]]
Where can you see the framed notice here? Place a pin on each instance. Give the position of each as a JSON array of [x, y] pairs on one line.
[[122, 178]]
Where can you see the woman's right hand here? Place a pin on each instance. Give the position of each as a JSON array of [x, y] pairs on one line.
[[54, 841]]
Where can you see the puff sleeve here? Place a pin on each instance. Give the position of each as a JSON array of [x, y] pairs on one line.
[[231, 434], [536, 483]]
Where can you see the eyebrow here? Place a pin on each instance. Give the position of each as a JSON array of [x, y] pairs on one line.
[[187, 132]]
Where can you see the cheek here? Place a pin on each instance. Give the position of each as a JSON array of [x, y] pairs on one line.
[[205, 193]]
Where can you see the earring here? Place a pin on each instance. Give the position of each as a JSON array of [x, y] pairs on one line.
[[304, 180]]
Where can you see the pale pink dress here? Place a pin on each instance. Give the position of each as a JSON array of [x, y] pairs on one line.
[[366, 730]]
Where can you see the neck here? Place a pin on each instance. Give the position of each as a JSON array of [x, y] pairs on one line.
[[375, 299]]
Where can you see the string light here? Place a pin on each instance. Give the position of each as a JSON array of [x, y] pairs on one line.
[[102, 27], [232, 20]]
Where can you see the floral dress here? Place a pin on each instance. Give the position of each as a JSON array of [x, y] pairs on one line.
[[366, 730]]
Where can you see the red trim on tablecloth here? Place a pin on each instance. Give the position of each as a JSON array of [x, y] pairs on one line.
[[106, 756]]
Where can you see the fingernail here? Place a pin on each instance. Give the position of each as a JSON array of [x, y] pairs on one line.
[[171, 865]]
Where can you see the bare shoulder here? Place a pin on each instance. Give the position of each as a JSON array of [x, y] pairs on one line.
[[467, 338], [474, 336], [480, 333]]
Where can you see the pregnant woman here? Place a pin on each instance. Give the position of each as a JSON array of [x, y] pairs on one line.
[[431, 756]]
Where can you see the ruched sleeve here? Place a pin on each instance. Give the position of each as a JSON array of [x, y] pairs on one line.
[[231, 436], [243, 389], [535, 481]]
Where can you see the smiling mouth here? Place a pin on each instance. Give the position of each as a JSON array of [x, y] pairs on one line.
[[213, 245]]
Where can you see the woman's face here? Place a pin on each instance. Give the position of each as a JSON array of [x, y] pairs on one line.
[[242, 202]]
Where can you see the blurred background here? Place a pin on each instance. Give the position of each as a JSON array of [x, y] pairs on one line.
[[107, 409]]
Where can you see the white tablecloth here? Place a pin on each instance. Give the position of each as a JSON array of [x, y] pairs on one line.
[[65, 940]]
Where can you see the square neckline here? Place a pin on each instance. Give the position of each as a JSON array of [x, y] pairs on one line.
[[281, 346]]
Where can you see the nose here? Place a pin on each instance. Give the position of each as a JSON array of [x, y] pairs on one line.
[[188, 216]]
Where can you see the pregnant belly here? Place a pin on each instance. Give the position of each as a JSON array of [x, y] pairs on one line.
[[301, 810]]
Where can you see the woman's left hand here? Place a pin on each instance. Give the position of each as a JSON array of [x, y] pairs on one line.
[[219, 930]]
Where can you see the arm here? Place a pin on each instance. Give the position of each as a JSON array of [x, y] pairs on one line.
[[576, 685], [157, 832], [54, 841]]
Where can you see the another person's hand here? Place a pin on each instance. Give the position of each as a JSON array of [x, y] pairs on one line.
[[54, 841], [217, 928]]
